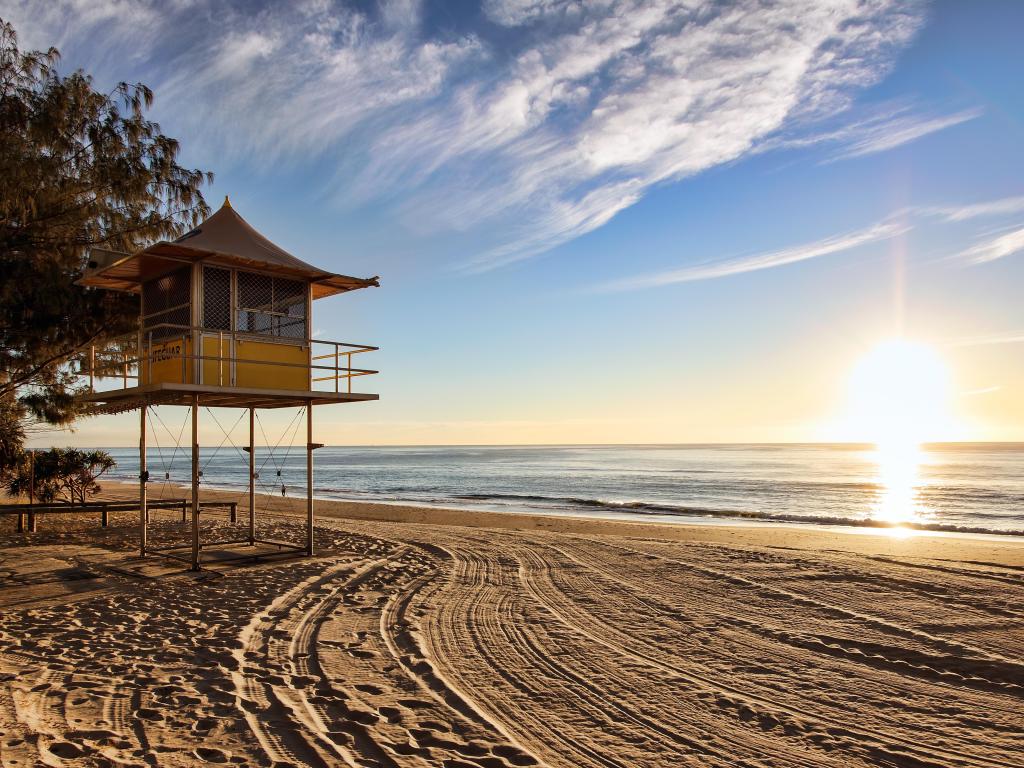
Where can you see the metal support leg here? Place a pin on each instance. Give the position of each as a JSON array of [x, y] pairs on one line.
[[309, 478], [143, 511], [195, 482], [252, 478]]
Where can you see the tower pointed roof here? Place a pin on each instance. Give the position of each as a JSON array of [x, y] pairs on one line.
[[226, 239]]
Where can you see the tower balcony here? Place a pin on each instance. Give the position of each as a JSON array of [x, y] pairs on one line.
[[168, 363]]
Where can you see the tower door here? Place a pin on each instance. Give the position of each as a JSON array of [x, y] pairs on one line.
[[218, 359]]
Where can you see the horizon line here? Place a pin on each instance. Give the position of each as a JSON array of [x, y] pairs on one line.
[[697, 443]]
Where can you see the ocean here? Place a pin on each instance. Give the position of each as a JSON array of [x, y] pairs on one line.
[[975, 487]]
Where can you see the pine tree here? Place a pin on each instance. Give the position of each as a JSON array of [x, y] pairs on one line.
[[80, 169]]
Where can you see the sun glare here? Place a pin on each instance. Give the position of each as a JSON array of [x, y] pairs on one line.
[[899, 397]]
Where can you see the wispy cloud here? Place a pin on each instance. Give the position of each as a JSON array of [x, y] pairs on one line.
[[994, 248], [1002, 207], [729, 267], [888, 134], [524, 139], [905, 220], [1005, 337], [883, 128]]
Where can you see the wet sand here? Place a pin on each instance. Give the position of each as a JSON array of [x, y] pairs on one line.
[[442, 637]]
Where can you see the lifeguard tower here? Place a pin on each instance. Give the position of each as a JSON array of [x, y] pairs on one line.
[[225, 321]]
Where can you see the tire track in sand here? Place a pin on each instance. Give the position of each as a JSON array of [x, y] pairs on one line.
[[300, 713], [477, 608], [278, 714], [423, 670], [638, 588], [547, 592]]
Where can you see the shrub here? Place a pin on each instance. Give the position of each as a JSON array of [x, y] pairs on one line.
[[60, 474]]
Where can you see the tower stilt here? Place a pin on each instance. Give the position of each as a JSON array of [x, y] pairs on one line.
[[309, 478], [143, 511], [195, 482], [252, 477]]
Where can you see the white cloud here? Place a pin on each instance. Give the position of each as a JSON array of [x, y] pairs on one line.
[[632, 96], [579, 110], [240, 52], [897, 131], [514, 13], [1007, 337], [729, 267], [883, 128], [994, 248], [1001, 207], [989, 249], [65, 23]]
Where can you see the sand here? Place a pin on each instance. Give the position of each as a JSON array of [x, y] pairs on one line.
[[449, 638]]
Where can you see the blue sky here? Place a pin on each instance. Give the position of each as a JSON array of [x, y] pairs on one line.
[[611, 221]]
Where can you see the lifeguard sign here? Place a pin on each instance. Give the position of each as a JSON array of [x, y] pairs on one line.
[[226, 319]]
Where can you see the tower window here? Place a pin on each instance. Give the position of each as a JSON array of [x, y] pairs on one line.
[[216, 299], [166, 304], [271, 306]]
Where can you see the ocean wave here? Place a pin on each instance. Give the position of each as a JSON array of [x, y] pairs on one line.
[[657, 508], [639, 506]]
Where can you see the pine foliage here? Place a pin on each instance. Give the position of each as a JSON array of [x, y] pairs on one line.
[[81, 169]]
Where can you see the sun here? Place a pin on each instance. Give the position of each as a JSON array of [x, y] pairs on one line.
[[899, 396]]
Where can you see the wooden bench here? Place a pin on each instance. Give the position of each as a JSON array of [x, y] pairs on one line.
[[104, 508]]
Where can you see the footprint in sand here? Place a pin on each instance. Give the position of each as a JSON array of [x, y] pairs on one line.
[[67, 750], [205, 724], [211, 755]]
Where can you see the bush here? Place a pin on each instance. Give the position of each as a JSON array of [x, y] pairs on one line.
[[60, 474]]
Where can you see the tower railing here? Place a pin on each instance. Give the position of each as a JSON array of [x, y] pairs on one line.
[[130, 359]]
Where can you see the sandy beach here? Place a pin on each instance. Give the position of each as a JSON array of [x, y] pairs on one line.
[[420, 637], [679, 345]]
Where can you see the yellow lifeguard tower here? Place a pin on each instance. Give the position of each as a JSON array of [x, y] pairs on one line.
[[225, 321]]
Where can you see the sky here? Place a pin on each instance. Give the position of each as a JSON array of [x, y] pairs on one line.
[[608, 222]]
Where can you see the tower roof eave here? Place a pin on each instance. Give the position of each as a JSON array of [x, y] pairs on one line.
[[225, 239]]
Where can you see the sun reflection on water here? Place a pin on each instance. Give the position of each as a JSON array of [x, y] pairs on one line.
[[899, 476]]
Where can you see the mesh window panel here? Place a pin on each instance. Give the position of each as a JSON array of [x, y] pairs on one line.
[[271, 306], [255, 299], [216, 299], [290, 308], [166, 300]]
